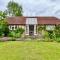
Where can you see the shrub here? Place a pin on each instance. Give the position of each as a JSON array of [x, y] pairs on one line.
[[19, 30], [11, 34], [6, 31], [58, 39], [41, 27], [16, 33], [46, 34], [4, 28], [57, 31], [50, 34], [1, 34]]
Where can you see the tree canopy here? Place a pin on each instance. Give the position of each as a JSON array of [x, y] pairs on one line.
[[3, 24], [4, 27], [2, 15], [14, 9]]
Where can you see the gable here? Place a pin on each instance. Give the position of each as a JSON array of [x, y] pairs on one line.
[[31, 20]]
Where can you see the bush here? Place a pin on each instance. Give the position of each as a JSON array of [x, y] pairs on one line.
[[1, 34], [46, 34], [57, 31], [16, 33], [19, 30], [4, 28], [6, 31], [50, 34], [58, 39], [11, 34]]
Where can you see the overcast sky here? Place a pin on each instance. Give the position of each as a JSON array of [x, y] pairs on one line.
[[36, 7]]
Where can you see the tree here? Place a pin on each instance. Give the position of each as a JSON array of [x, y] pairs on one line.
[[3, 24], [4, 28], [2, 15], [14, 9]]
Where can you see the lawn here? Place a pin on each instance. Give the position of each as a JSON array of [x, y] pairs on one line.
[[29, 50]]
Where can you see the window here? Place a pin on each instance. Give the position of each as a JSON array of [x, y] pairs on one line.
[[16, 27], [50, 27], [31, 21], [12, 27]]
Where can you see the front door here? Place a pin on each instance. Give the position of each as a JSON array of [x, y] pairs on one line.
[[31, 29]]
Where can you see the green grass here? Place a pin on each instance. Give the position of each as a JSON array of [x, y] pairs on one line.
[[29, 50]]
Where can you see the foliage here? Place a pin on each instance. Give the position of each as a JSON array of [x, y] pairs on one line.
[[57, 39], [57, 31], [16, 33], [11, 34], [2, 15], [19, 30], [1, 32], [14, 9], [40, 28], [6, 31], [46, 34], [4, 28], [3, 24], [50, 34]]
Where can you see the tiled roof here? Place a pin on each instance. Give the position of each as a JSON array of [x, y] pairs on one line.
[[16, 20], [47, 20], [40, 20]]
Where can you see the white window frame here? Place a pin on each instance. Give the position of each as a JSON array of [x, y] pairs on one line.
[[50, 27]]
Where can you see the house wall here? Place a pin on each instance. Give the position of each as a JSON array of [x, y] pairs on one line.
[[26, 28], [44, 28], [14, 27]]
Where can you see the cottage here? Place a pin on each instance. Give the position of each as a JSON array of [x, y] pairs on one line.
[[31, 24]]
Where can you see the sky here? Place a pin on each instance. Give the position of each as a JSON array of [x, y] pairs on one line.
[[36, 7]]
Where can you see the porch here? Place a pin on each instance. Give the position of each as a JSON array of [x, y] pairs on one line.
[[31, 26]]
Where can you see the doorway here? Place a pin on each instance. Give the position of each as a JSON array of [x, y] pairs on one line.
[[31, 30]]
